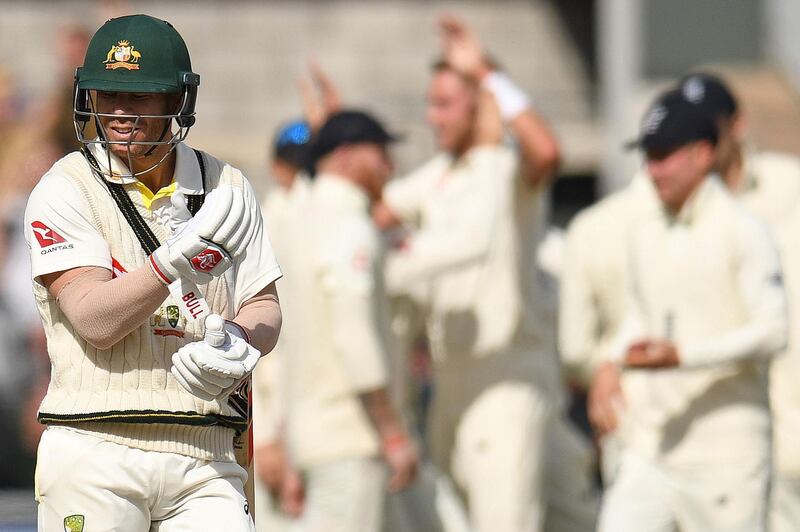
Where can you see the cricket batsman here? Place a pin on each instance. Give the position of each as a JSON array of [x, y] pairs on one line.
[[154, 278]]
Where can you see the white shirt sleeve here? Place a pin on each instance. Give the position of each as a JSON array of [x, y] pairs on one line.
[[405, 195], [59, 230], [353, 294], [761, 286], [432, 251], [259, 267], [579, 323]]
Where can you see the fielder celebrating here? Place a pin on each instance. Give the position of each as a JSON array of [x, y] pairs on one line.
[[706, 310], [145, 397], [478, 211]]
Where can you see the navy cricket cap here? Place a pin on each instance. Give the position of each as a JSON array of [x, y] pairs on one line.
[[293, 143], [349, 127], [709, 92], [673, 121]]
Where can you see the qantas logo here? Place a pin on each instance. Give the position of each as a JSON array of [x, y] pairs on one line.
[[117, 270], [205, 261], [45, 235]]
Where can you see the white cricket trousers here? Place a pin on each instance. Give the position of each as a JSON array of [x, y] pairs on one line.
[[646, 497], [785, 504], [498, 457], [111, 487], [344, 496]]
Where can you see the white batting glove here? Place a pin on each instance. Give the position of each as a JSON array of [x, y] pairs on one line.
[[212, 368], [207, 244], [180, 212]]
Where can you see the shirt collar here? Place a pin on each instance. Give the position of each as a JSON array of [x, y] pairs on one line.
[[749, 173], [187, 169], [342, 192], [697, 202]]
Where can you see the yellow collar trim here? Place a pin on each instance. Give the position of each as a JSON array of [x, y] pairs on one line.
[[148, 197]]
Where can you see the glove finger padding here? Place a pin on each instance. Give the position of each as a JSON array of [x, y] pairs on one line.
[[235, 217], [225, 361], [191, 353], [215, 211], [241, 236], [196, 391], [236, 358], [188, 381]]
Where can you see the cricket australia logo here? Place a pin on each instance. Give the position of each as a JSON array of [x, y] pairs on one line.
[[73, 523], [122, 55], [167, 321]]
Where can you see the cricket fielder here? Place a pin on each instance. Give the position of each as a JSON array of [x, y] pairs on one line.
[[477, 213], [133, 240], [768, 185], [343, 433], [706, 310]]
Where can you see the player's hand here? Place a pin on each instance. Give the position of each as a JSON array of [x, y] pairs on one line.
[[605, 398], [293, 493], [319, 95], [207, 244], [652, 354], [461, 48], [212, 368], [403, 459], [383, 216], [270, 461]]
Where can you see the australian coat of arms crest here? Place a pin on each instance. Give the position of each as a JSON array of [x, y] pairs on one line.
[[74, 523], [122, 55], [175, 323]]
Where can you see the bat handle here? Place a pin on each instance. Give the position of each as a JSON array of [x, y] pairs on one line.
[[215, 331], [190, 299]]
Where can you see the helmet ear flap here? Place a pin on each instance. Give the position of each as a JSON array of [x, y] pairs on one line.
[[81, 101], [186, 116]]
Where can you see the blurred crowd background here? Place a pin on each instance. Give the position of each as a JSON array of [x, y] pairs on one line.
[[589, 66]]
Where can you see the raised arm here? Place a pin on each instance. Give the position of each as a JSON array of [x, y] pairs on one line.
[[319, 95], [538, 146]]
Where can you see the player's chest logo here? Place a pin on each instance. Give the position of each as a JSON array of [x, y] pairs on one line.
[[168, 321], [74, 523], [123, 55]]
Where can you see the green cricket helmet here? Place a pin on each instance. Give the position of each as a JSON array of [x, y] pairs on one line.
[[141, 54]]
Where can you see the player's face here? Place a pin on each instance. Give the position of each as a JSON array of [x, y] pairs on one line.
[[373, 165], [284, 173], [451, 111], [124, 129], [677, 172]]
